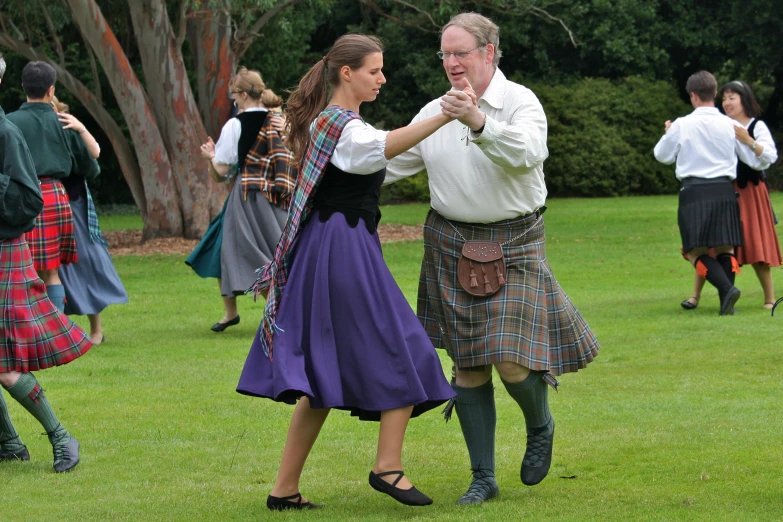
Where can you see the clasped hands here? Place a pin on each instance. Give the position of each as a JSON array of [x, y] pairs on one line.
[[461, 103]]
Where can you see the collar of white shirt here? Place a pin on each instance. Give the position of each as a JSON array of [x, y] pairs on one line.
[[496, 90]]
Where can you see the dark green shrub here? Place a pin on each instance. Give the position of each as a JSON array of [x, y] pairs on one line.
[[602, 134]]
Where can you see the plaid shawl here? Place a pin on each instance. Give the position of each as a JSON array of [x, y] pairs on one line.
[[269, 168], [328, 128], [92, 220]]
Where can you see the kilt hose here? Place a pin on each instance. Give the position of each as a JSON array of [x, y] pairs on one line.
[[34, 335], [529, 321], [52, 241]]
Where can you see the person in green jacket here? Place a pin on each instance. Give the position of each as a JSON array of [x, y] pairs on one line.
[[34, 335], [57, 153]]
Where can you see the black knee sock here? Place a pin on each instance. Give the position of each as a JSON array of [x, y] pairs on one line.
[[9, 438], [531, 395], [477, 418], [715, 274], [729, 264]]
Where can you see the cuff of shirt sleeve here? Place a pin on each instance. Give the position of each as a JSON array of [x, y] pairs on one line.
[[488, 135]]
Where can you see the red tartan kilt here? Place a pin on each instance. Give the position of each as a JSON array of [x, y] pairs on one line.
[[52, 241], [34, 335]]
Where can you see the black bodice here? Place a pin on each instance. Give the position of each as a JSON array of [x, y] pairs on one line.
[[353, 195], [251, 124]]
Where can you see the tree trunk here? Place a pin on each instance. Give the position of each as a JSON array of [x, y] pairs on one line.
[[164, 216], [214, 62], [179, 121]]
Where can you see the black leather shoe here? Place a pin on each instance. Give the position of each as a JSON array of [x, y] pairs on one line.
[[729, 300], [66, 456], [219, 327], [409, 497], [688, 305], [483, 487], [21, 454], [289, 502], [538, 455]]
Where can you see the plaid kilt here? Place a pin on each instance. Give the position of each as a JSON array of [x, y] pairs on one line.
[[530, 321], [34, 335], [52, 241]]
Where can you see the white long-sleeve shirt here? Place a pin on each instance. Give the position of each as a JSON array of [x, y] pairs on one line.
[[763, 137], [489, 177], [704, 145]]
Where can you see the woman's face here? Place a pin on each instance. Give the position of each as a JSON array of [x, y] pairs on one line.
[[732, 105], [367, 80]]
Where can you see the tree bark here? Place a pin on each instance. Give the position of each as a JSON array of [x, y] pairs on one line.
[[164, 216], [214, 62], [170, 95]]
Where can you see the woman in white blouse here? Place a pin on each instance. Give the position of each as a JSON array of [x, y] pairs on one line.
[[760, 248]]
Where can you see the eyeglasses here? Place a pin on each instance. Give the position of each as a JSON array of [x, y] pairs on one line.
[[445, 55]]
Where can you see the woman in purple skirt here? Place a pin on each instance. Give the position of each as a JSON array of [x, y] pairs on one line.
[[337, 331]]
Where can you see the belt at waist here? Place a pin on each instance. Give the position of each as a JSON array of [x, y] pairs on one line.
[[525, 217], [689, 182]]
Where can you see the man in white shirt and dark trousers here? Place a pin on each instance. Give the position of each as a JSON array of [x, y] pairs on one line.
[[705, 149], [486, 182]]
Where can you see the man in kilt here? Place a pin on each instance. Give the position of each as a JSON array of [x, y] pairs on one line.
[[487, 183], [34, 335], [57, 152], [704, 146]]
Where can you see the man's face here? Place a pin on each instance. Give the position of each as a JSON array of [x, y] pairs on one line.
[[475, 65]]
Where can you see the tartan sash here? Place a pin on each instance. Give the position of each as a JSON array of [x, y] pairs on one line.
[[269, 168], [92, 220], [326, 133]]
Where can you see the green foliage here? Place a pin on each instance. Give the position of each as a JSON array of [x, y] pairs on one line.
[[414, 188], [602, 134]]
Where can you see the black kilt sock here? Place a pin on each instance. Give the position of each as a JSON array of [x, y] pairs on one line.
[[9, 438], [531, 395], [713, 271], [729, 264], [29, 394], [477, 418]]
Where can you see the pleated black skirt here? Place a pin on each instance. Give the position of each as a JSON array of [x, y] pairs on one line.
[[708, 214]]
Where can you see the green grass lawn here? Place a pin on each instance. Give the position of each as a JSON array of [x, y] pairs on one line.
[[679, 418]]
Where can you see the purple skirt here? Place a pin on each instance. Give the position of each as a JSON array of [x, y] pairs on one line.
[[347, 337]]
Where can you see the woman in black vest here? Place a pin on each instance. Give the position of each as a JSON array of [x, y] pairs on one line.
[[760, 242], [256, 209]]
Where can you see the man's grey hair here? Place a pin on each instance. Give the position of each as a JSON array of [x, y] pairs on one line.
[[2, 66], [484, 29]]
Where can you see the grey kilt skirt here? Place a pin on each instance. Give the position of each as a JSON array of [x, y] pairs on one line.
[[251, 229], [708, 214], [530, 321]]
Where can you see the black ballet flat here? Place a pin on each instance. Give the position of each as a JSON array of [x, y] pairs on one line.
[[284, 503], [219, 327], [409, 497], [688, 305]]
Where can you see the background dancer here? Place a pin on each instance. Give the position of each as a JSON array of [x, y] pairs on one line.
[[57, 153], [256, 209], [760, 247], [92, 283], [704, 146]]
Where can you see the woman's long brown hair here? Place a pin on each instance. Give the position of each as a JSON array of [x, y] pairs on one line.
[[310, 97]]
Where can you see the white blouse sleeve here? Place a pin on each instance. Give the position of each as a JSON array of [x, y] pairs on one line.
[[227, 146], [764, 138], [361, 149]]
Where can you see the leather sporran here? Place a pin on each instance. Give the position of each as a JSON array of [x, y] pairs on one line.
[[481, 269]]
